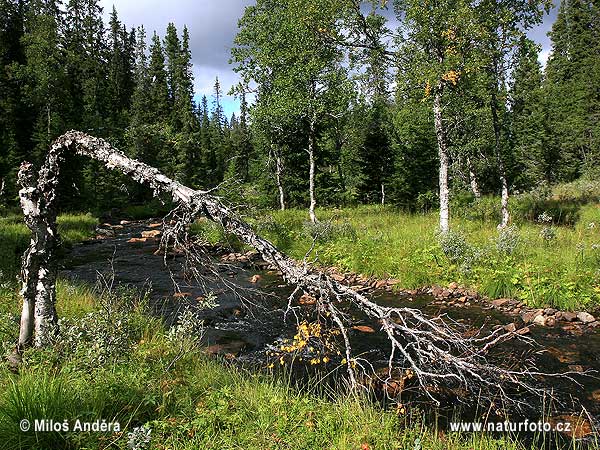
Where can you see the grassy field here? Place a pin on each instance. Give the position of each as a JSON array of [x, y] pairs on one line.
[[14, 239], [115, 363], [540, 263]]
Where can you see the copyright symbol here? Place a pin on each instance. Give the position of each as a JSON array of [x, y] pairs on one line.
[[24, 425]]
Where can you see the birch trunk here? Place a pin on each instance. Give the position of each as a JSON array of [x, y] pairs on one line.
[[473, 180], [38, 274], [501, 168], [440, 133], [311, 161], [278, 174], [434, 352]]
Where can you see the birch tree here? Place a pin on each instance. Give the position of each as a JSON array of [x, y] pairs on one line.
[[434, 41], [284, 45], [502, 25], [434, 352]]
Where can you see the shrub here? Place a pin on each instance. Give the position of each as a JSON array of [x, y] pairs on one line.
[[508, 240], [454, 245], [188, 331], [329, 231]]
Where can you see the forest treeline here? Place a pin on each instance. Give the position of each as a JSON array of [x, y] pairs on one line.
[[401, 102]]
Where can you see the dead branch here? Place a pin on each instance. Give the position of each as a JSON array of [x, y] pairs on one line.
[[431, 350]]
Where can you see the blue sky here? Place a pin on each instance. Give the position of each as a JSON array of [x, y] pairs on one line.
[[213, 25]]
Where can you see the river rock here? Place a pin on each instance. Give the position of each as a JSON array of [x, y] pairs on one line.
[[363, 328], [151, 234], [104, 232], [579, 426], [380, 284], [529, 316], [453, 285], [510, 328], [539, 320], [585, 317], [567, 316], [137, 240], [307, 299], [155, 225], [338, 277], [499, 302], [255, 278]]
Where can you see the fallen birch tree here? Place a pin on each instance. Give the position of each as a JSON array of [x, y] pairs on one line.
[[430, 350]]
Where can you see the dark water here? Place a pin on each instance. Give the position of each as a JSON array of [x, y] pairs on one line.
[[249, 321]]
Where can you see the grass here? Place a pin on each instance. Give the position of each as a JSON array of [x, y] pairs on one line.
[[116, 363], [14, 238], [188, 400], [562, 271]]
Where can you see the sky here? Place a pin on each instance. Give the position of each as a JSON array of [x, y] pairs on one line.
[[213, 25]]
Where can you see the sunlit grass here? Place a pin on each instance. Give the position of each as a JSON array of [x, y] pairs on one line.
[[14, 238], [563, 272], [191, 401]]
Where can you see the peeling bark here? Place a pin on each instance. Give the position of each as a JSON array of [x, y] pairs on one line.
[[38, 274], [311, 162], [432, 350], [443, 155]]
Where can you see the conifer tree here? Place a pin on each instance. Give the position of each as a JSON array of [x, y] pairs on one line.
[[159, 90], [571, 88], [528, 120]]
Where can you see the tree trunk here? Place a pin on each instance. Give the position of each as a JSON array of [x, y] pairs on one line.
[[382, 193], [278, 176], [38, 274], [440, 133], [311, 162], [473, 180], [501, 169]]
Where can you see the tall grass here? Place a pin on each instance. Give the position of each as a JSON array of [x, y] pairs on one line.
[[563, 272], [14, 238], [190, 401]]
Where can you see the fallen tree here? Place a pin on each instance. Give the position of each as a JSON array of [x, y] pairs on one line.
[[432, 351]]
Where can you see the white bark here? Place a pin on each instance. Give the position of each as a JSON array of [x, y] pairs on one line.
[[443, 156], [473, 180], [501, 168], [38, 316], [278, 176], [382, 193], [311, 162]]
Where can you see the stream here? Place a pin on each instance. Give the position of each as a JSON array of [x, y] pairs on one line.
[[247, 335]]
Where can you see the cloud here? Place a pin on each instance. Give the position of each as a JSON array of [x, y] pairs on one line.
[[212, 25]]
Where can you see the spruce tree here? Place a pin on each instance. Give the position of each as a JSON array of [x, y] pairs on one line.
[[528, 120], [571, 88]]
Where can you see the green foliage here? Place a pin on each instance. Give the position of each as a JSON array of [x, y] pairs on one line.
[[508, 240], [516, 261]]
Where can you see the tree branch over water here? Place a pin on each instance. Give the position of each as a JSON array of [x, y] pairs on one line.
[[435, 352]]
